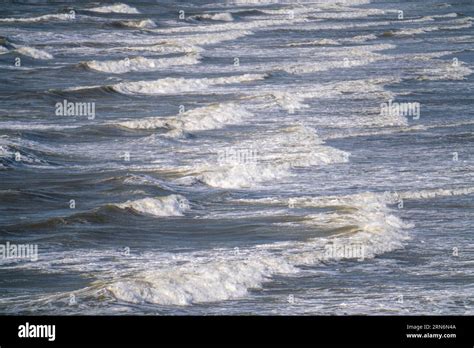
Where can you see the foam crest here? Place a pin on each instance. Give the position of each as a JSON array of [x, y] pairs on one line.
[[233, 26], [181, 85], [240, 176], [189, 43], [172, 205], [140, 64], [115, 8], [44, 18], [225, 17], [433, 193], [217, 279], [209, 117], [202, 39], [348, 58], [139, 24], [33, 52]]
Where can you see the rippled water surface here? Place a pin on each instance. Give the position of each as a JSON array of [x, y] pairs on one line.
[[238, 157]]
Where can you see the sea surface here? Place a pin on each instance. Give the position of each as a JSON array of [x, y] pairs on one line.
[[245, 157]]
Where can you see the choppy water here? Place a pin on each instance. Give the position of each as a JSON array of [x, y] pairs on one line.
[[229, 156]]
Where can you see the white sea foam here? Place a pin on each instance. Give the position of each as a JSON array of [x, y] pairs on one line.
[[440, 70], [393, 130], [115, 8], [320, 42], [165, 47], [172, 205], [366, 88], [314, 3], [460, 23], [365, 199], [347, 58], [349, 14], [34, 126], [140, 64], [278, 154]]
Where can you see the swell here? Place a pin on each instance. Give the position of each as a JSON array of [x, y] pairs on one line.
[[154, 207], [168, 85]]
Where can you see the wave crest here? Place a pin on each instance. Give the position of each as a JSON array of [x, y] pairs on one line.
[[172, 205], [115, 8]]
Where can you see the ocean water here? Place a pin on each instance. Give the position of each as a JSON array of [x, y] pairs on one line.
[[237, 157]]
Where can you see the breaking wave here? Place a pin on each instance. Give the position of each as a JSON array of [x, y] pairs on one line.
[[172, 205], [181, 85], [140, 64], [225, 274], [204, 118], [115, 8]]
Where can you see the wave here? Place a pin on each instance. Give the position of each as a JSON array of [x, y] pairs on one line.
[[188, 43], [363, 199], [172, 205], [233, 26], [224, 274], [320, 42], [359, 56], [202, 39], [317, 3], [275, 157], [180, 85], [139, 24], [14, 154], [225, 17], [115, 8], [44, 18], [456, 24], [360, 225], [169, 85], [441, 70], [167, 206], [363, 38], [12, 125], [140, 64], [401, 129], [33, 52], [204, 118], [433, 193], [363, 88]]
